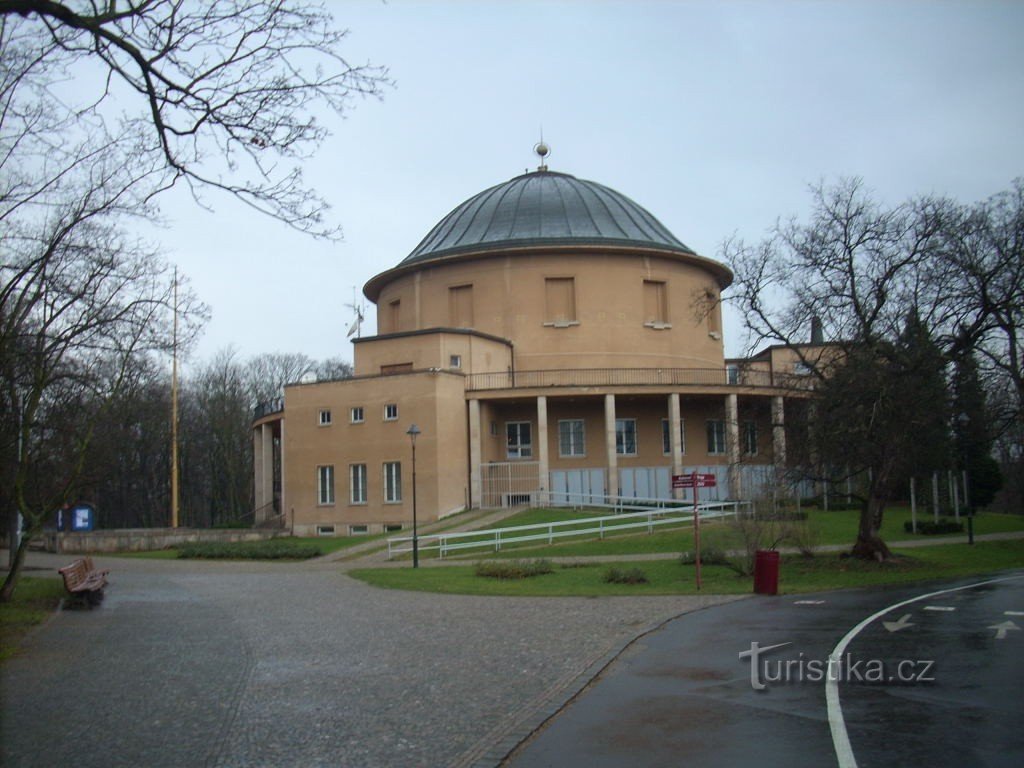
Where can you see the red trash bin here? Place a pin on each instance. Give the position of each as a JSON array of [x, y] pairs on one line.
[[766, 572]]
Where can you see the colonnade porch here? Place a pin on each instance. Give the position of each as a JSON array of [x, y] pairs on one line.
[[610, 438]]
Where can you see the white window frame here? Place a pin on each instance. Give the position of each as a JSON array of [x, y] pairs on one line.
[[356, 414], [392, 482], [521, 450], [324, 418], [357, 482], [577, 445], [716, 432], [393, 417], [325, 485], [455, 361], [666, 438], [621, 434]]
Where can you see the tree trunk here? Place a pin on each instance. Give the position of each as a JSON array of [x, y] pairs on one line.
[[11, 582], [869, 544]]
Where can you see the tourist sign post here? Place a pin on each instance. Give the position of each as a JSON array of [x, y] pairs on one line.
[[695, 480]]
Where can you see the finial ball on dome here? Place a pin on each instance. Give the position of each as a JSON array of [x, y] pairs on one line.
[[542, 149]]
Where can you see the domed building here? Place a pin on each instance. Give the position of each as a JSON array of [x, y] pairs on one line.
[[555, 344]]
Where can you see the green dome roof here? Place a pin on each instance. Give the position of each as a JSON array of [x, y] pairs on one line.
[[544, 208]]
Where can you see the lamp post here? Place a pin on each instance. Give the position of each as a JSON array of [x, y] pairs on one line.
[[412, 432]]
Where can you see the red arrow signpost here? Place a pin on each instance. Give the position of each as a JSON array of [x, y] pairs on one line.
[[695, 480]]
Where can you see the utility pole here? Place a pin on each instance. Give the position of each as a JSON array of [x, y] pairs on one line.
[[174, 409]]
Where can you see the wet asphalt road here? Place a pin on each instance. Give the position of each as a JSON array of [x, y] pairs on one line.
[[682, 695]]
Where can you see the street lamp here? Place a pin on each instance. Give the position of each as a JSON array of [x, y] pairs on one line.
[[412, 432]]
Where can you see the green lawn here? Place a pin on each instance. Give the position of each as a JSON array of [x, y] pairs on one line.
[[668, 577], [34, 601]]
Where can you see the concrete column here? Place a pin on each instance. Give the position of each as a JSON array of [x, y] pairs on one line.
[[257, 468], [609, 441], [475, 488], [732, 445], [675, 443], [542, 446], [779, 438], [267, 445]]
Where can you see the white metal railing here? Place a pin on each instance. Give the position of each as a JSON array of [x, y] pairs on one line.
[[444, 543]]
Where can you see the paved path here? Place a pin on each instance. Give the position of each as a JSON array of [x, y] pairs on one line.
[[262, 664]]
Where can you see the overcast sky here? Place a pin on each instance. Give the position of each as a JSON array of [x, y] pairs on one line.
[[715, 116]]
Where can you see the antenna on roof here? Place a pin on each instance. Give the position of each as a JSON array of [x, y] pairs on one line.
[[542, 150], [360, 309]]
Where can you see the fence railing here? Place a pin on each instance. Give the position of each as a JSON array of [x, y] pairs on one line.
[[606, 377], [268, 407], [495, 538]]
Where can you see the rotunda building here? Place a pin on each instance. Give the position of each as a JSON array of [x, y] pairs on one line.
[[555, 344]]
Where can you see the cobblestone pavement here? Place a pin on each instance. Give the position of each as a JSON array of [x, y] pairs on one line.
[[229, 664]]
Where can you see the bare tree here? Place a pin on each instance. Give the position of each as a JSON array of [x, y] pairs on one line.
[[858, 267], [219, 95]]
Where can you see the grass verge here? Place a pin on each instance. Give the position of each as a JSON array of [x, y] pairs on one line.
[[34, 601], [669, 577]]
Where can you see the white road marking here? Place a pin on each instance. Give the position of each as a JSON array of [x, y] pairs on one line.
[[944, 608], [896, 626], [1013, 613], [840, 738], [808, 602], [1002, 629]]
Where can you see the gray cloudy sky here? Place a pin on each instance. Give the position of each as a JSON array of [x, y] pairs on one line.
[[715, 116]]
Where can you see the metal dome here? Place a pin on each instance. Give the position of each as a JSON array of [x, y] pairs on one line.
[[544, 208]]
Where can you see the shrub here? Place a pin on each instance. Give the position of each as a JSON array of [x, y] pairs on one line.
[[513, 569], [711, 556], [625, 576], [931, 528], [272, 549]]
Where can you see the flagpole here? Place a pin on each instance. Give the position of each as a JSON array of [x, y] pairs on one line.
[[174, 409]]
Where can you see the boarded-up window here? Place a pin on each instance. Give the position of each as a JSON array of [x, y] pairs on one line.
[[460, 306], [395, 315], [655, 303], [714, 310], [560, 300]]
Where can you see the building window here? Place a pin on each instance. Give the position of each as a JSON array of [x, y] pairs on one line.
[[392, 527], [325, 485], [392, 482], [625, 437], [395, 315], [455, 361], [713, 306], [800, 368], [356, 415], [391, 412], [560, 301], [325, 418], [325, 530], [357, 484], [750, 438], [716, 437], [666, 438], [732, 374], [571, 438], [520, 443], [358, 530], [460, 306], [655, 304]]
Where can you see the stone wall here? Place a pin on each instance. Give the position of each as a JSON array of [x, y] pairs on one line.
[[144, 539]]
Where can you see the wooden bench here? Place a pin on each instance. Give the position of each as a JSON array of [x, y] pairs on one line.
[[84, 582]]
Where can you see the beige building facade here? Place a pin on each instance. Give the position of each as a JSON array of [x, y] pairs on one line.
[[554, 344]]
